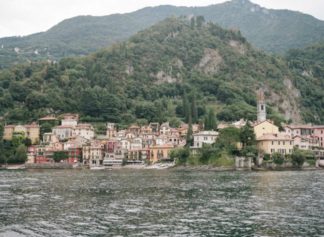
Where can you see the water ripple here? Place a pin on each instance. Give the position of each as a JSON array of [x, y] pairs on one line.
[[161, 203]]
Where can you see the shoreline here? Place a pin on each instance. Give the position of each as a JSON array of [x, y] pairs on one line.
[[162, 167]]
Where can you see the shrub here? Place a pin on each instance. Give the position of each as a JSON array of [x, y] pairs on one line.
[[278, 158]]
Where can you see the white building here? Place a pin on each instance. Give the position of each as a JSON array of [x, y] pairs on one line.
[[63, 132], [204, 137], [70, 120], [85, 130]]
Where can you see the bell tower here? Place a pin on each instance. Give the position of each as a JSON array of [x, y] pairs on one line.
[[261, 106]]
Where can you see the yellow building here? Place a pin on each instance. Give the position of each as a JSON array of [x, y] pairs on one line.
[[271, 143], [265, 127], [160, 152], [31, 131]]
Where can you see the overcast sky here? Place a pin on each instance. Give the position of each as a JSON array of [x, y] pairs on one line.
[[23, 17]]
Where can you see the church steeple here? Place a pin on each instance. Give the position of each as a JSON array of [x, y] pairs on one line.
[[261, 106]]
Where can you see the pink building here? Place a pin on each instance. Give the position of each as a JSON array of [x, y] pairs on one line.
[[319, 132]]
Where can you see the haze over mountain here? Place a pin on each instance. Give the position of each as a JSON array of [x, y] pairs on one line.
[[271, 30]]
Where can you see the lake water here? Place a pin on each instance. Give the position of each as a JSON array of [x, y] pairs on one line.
[[161, 203]]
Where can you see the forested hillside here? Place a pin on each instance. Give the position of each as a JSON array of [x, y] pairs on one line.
[[308, 63], [160, 74], [271, 30]]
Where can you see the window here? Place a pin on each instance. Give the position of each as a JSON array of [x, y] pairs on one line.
[[284, 143], [272, 143], [278, 142]]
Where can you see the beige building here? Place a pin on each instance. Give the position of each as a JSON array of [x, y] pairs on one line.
[[31, 131], [92, 154], [271, 143], [160, 152], [264, 127]]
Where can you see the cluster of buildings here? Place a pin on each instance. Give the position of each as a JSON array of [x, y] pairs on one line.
[[134, 145], [270, 140], [153, 142]]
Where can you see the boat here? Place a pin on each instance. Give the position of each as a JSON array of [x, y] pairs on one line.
[[97, 168]]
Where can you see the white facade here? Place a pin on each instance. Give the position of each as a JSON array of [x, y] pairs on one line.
[[69, 122], [63, 132], [84, 130], [204, 137]]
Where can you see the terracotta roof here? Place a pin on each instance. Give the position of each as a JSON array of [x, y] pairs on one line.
[[275, 137], [299, 126]]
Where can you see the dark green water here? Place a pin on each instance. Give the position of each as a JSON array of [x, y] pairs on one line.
[[161, 203]]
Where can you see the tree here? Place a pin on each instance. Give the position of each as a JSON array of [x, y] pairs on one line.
[[278, 158], [228, 140], [192, 23], [247, 135], [194, 110], [21, 154], [298, 158], [189, 133], [59, 155], [200, 20], [210, 120], [180, 155], [186, 108]]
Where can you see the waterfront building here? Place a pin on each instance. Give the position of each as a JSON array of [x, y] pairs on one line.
[[204, 137], [319, 133], [92, 154], [279, 142], [160, 153]]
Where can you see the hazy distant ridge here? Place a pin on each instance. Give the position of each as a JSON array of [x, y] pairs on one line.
[[271, 30]]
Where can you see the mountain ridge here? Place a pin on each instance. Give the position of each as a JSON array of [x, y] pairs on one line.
[[271, 30], [152, 75]]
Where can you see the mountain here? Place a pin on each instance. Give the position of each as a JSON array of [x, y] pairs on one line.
[[175, 68], [271, 30], [308, 64]]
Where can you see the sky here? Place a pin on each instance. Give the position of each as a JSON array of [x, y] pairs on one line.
[[23, 17]]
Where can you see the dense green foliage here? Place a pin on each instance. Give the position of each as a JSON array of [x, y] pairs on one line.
[[58, 156], [308, 64], [278, 158], [168, 72], [272, 30]]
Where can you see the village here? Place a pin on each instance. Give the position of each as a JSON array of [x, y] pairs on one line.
[[77, 145]]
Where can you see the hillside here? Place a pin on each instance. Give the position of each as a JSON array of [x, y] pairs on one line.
[[155, 76], [271, 30], [308, 64]]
